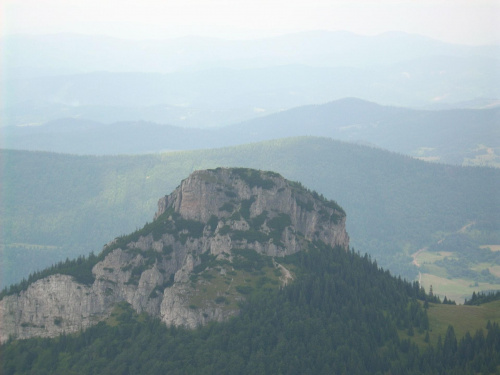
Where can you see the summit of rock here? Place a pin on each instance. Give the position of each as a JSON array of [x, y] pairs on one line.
[[217, 237]]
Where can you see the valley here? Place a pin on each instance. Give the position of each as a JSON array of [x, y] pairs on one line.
[[433, 271]]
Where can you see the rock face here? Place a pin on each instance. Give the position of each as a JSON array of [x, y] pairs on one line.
[[193, 263]]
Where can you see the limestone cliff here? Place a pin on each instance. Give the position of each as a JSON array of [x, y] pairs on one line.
[[216, 238]]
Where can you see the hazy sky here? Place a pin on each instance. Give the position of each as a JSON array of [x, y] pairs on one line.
[[460, 21]]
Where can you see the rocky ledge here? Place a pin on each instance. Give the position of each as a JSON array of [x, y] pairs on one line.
[[219, 236]]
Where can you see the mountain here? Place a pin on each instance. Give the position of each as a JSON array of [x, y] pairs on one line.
[[269, 261], [215, 229], [206, 82], [63, 206], [342, 313], [220, 96], [459, 136]]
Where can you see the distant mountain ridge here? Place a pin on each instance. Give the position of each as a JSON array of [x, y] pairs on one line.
[[458, 136], [206, 82], [220, 96]]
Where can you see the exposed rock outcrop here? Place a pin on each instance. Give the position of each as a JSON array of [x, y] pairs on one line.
[[193, 263]]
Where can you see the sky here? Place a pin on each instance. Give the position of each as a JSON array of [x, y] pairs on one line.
[[456, 21]]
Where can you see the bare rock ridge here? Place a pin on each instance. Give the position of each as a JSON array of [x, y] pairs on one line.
[[215, 239]]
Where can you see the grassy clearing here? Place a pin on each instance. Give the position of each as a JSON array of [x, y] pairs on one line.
[[463, 319], [491, 247], [429, 158], [486, 156], [427, 257], [123, 312], [212, 284], [209, 284], [434, 270], [455, 289], [492, 267], [495, 270]]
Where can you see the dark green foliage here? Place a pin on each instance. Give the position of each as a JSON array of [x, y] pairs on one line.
[[157, 228], [447, 301], [256, 178], [228, 207], [277, 225], [327, 202], [193, 227], [212, 222], [244, 289], [245, 207], [257, 221], [230, 194], [336, 217], [308, 205], [80, 269], [482, 297], [207, 276], [224, 230], [169, 282], [169, 222], [340, 316], [261, 281], [255, 234], [207, 261], [249, 236], [280, 222], [249, 260], [220, 299], [149, 258], [235, 216]]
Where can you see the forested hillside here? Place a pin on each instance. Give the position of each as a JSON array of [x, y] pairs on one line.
[[61, 206], [342, 315]]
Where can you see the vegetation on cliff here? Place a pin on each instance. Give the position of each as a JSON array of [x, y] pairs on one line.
[[215, 240], [397, 205], [343, 314]]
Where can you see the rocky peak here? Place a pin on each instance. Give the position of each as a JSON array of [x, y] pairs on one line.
[[214, 239], [237, 196]]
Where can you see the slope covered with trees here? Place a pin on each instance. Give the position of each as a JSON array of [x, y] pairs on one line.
[[343, 314]]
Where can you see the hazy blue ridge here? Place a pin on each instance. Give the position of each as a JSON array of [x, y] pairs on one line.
[[451, 136]]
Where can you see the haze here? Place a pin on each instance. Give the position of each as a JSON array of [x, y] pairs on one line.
[[456, 21]]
